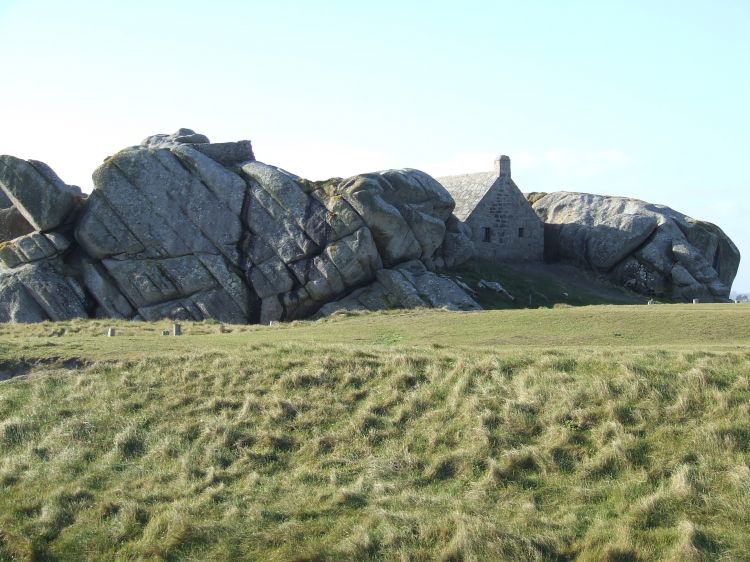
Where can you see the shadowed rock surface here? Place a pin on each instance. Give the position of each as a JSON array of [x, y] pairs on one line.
[[177, 227], [13, 224], [649, 248]]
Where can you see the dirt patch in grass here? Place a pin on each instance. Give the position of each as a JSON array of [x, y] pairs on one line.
[[11, 369]]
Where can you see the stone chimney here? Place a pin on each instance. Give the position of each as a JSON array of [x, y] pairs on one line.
[[502, 166]]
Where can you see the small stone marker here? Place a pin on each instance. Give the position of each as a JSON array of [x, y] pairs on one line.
[[111, 332], [651, 301], [696, 301], [272, 323], [222, 329], [176, 329], [165, 332]]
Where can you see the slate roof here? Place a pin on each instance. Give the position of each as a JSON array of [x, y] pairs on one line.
[[467, 190]]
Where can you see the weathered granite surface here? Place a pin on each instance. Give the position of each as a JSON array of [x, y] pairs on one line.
[[649, 248], [13, 224], [43, 199], [409, 285], [38, 292], [178, 227]]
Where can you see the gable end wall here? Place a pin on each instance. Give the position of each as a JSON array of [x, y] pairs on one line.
[[504, 210]]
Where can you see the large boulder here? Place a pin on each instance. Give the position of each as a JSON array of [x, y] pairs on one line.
[[163, 227], [649, 248], [225, 153], [406, 210], [38, 292], [310, 243], [182, 228], [43, 199]]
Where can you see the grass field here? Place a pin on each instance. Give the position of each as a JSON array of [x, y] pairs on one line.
[[592, 433]]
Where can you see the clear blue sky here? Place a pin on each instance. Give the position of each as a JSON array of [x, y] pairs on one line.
[[637, 98]]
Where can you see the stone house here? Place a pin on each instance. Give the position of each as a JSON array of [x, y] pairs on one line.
[[503, 225]]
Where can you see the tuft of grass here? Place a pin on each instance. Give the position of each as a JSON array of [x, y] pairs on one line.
[[129, 443], [693, 544], [13, 431], [444, 467]]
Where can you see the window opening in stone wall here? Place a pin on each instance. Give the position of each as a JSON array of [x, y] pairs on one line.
[[487, 234], [520, 232]]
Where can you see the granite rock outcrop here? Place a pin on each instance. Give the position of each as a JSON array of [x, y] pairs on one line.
[[178, 227], [651, 249]]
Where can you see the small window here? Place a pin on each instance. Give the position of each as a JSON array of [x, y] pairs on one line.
[[487, 234], [520, 232]]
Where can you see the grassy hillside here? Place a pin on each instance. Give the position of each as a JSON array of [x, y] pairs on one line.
[[532, 285], [593, 433]]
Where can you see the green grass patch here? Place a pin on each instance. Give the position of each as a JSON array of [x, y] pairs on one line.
[[422, 435], [535, 285]]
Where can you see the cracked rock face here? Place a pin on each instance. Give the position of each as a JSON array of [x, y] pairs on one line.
[[651, 249], [178, 227]]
